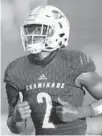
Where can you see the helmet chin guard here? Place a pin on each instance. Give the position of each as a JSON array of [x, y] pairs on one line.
[[45, 29], [34, 48]]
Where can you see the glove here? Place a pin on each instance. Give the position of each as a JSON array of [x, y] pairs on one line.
[[66, 111], [22, 110], [96, 108], [69, 113]]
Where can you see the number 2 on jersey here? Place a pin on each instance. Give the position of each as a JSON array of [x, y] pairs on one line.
[[46, 123]]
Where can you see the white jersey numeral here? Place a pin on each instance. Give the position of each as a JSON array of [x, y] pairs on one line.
[[40, 96]]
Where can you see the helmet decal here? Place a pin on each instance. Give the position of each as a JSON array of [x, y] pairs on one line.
[[57, 14]]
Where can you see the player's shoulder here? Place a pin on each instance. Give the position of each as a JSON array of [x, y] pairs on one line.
[[78, 60], [71, 54], [15, 64]]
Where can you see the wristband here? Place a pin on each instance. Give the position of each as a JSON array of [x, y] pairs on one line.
[[97, 107], [92, 110], [85, 112]]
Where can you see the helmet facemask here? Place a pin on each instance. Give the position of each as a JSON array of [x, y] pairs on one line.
[[34, 37], [45, 29]]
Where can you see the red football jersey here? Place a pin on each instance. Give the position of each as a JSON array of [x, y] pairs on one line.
[[43, 82]]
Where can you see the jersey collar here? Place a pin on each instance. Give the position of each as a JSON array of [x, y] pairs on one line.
[[43, 62]]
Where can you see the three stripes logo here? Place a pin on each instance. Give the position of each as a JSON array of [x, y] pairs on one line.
[[42, 77]]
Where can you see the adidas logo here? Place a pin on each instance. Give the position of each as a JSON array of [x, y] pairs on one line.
[[42, 77]]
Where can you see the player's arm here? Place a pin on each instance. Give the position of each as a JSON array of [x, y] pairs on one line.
[[92, 82], [18, 110], [87, 79]]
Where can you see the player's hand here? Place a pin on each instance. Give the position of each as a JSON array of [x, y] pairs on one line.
[[22, 110], [66, 111]]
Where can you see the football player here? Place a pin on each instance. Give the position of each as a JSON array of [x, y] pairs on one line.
[[49, 84]]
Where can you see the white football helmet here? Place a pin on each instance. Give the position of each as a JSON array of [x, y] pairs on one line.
[[45, 29]]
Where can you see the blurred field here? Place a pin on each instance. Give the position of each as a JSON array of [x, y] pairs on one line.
[[4, 128]]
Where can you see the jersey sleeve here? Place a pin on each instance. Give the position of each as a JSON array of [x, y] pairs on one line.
[[12, 86], [9, 77], [12, 75], [12, 95], [84, 64]]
